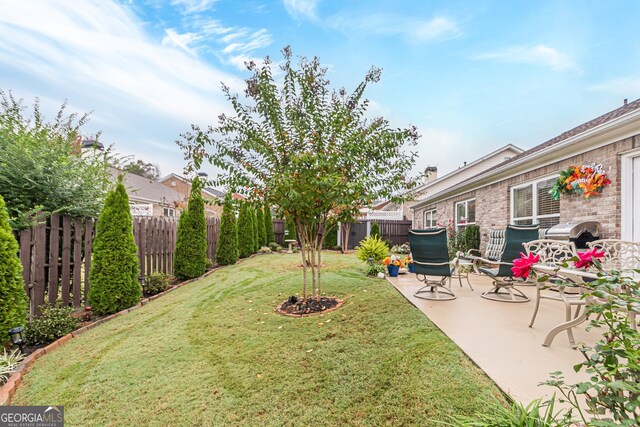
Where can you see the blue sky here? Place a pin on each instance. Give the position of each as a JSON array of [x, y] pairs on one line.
[[471, 75]]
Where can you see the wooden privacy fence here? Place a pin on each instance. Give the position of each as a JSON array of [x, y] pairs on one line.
[[396, 231], [56, 261], [53, 263], [156, 241], [278, 231]]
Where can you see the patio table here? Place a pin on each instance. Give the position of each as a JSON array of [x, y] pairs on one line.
[[461, 268], [578, 277]]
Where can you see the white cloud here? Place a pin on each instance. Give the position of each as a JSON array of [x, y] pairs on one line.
[[180, 40], [539, 55], [242, 44], [435, 29], [232, 45], [302, 8], [625, 86], [96, 53], [193, 6], [438, 28]]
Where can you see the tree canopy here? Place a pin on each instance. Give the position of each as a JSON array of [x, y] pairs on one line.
[[141, 168], [312, 151], [42, 167]]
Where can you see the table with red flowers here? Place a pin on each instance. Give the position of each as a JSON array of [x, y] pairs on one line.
[[576, 276]]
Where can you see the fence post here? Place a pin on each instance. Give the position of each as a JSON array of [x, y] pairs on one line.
[[88, 252], [54, 257], [39, 261]]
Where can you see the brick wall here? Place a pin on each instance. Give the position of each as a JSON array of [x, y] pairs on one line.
[[493, 201], [184, 188]]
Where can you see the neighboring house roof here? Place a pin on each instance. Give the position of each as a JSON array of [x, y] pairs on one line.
[[613, 126], [450, 175], [214, 191], [147, 190], [208, 190]]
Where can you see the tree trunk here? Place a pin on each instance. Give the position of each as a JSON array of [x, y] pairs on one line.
[[345, 241], [304, 260]]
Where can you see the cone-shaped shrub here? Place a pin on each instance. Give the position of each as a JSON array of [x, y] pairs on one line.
[[246, 244], [13, 298], [262, 231], [227, 252], [291, 228], [114, 269], [191, 244], [268, 224], [331, 239], [256, 229], [375, 230]]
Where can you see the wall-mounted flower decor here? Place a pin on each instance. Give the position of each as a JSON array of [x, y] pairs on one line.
[[588, 180]]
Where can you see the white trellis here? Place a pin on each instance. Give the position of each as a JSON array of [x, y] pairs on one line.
[[385, 215]]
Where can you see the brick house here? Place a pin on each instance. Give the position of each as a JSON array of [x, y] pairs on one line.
[[150, 198], [516, 191], [213, 198]]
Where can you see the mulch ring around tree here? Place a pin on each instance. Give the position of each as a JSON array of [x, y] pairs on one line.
[[298, 307]]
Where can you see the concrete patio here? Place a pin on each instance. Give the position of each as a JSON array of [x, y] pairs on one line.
[[496, 336]]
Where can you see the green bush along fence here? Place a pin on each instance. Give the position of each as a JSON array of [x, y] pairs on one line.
[[56, 266]]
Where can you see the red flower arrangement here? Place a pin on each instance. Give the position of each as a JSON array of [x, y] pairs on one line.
[[586, 258], [522, 266]]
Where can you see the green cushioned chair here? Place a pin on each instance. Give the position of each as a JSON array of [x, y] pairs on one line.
[[431, 258], [503, 289]]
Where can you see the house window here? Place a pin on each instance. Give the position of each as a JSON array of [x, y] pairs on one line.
[[169, 212], [465, 213], [531, 203], [430, 219]]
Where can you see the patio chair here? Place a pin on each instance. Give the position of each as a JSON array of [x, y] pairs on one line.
[[503, 289], [431, 258], [618, 254], [495, 245], [553, 253]]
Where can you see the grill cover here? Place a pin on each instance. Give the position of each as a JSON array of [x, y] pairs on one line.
[[579, 232]]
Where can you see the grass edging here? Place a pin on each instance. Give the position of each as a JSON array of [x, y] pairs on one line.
[[9, 388]]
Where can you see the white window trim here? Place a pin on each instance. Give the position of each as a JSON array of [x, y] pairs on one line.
[[626, 163], [433, 220], [466, 209], [534, 200]]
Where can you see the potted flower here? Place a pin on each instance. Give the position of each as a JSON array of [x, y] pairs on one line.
[[408, 261], [393, 264]]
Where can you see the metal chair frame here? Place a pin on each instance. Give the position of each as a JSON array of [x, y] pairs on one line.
[[503, 285], [434, 290]]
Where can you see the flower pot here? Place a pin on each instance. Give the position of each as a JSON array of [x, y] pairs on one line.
[[393, 270], [411, 268]]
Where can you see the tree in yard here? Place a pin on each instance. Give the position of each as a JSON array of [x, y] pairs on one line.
[[375, 230], [42, 167], [262, 231], [140, 168], [246, 235], [227, 252], [310, 150], [256, 229], [13, 298], [115, 267], [268, 224], [191, 244]]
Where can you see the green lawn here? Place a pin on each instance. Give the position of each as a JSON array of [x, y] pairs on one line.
[[215, 353]]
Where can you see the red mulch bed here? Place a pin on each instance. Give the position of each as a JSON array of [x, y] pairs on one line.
[[298, 307]]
